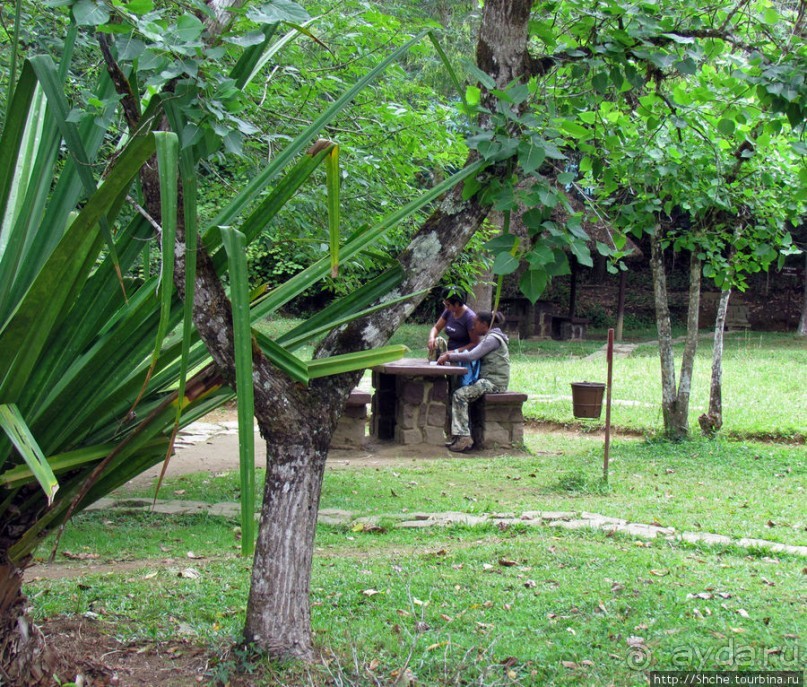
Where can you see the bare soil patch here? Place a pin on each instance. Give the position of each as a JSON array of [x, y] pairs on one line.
[[92, 656]]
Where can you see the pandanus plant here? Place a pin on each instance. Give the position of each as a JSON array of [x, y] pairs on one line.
[[101, 365]]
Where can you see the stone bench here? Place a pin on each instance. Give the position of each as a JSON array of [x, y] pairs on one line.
[[351, 430], [497, 420]]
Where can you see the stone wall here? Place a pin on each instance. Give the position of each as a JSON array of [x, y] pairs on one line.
[[497, 420], [351, 431], [410, 410]]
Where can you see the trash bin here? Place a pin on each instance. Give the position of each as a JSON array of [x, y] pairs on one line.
[[587, 399]]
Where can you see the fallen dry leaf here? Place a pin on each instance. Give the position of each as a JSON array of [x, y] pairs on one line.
[[370, 592], [507, 563], [193, 555], [743, 613], [571, 665], [190, 574]]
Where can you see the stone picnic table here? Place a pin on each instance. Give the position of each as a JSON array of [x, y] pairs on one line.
[[411, 401]]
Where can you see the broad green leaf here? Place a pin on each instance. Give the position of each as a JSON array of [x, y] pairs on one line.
[[505, 263], [531, 155], [688, 67], [235, 244], [576, 130], [500, 243], [90, 13], [13, 424], [277, 11], [582, 253], [473, 96], [532, 284], [726, 127], [478, 75]]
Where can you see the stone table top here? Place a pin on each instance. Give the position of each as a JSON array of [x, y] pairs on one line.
[[418, 367]]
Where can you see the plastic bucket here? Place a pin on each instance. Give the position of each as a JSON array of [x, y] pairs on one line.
[[587, 399]]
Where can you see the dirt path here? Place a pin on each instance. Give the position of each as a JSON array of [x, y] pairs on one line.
[[212, 446]]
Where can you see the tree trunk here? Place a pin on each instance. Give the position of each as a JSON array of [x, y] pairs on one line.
[[278, 610], [620, 306], [297, 422], [482, 296], [802, 330], [664, 327], [680, 430], [712, 420], [25, 659], [675, 399]]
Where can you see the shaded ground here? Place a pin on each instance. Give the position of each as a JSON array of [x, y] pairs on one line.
[[100, 659]]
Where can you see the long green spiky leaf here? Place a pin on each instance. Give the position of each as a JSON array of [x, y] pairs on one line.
[[309, 276], [22, 474], [449, 68], [13, 424], [167, 145], [282, 358], [266, 211], [18, 219], [294, 342], [360, 360], [24, 334], [332, 183], [49, 78], [227, 217], [256, 57], [13, 128], [353, 302], [235, 244]]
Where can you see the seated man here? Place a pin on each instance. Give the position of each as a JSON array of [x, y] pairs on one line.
[[494, 375]]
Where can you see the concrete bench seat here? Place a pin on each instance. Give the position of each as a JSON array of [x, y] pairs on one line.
[[497, 420], [351, 430]]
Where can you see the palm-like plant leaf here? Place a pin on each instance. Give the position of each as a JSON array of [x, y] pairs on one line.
[[75, 351]]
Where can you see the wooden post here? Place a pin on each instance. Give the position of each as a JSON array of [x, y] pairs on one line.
[[610, 360]]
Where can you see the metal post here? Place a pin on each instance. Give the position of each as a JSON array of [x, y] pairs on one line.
[[610, 359]]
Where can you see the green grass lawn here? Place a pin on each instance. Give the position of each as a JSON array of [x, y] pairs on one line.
[[487, 605], [514, 605], [764, 380]]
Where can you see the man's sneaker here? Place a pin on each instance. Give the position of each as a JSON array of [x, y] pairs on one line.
[[451, 441], [461, 444]]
